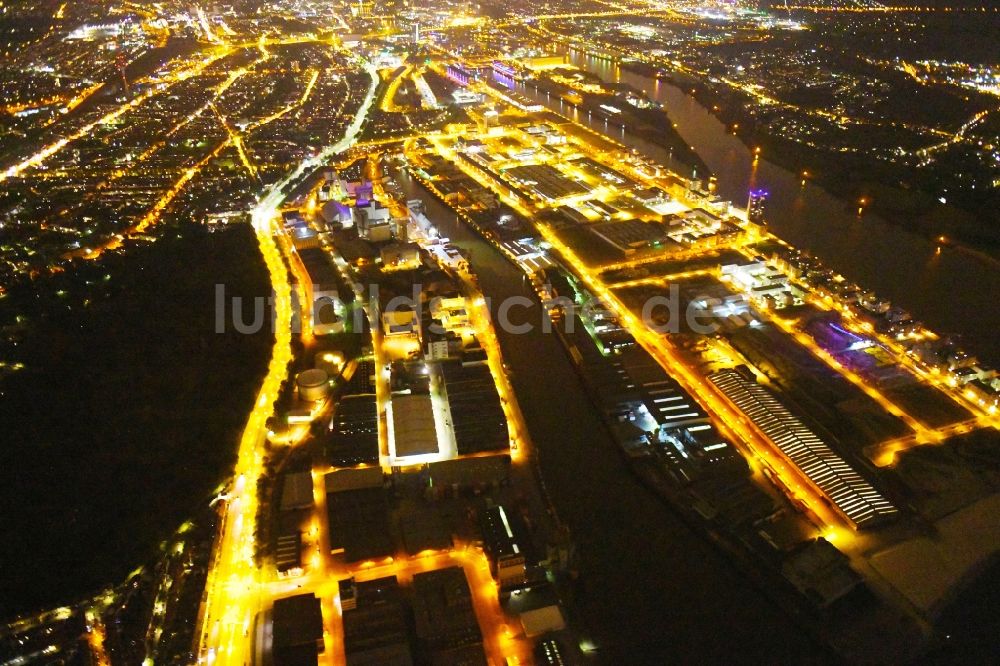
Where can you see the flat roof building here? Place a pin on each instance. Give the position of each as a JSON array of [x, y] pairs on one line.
[[546, 182], [506, 543], [376, 625], [820, 572], [400, 322], [670, 405], [342, 480], [288, 554], [297, 630], [358, 514], [413, 429], [466, 472], [400, 256], [446, 625], [451, 312], [477, 415], [542, 621], [353, 437], [296, 491], [424, 530], [631, 235], [853, 496]]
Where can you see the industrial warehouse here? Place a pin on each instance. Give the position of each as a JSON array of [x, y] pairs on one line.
[[535, 373], [849, 492]]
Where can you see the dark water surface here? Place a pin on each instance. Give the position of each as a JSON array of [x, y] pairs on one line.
[[651, 589], [953, 292]]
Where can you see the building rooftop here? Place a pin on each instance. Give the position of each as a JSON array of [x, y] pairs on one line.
[[400, 322], [359, 524], [413, 429], [629, 235], [353, 479], [470, 471], [850, 493], [542, 621], [298, 621], [362, 380], [546, 181], [424, 530], [321, 271], [376, 627], [504, 533], [477, 416], [444, 614], [820, 572], [354, 436], [296, 491]]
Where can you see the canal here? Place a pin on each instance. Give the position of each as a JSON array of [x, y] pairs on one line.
[[651, 589], [953, 291]]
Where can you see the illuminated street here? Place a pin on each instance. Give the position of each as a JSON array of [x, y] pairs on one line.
[[233, 595], [599, 332]]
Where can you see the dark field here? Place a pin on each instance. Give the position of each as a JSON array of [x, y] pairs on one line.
[[151, 404], [651, 590], [590, 247], [821, 395], [669, 266], [928, 405]]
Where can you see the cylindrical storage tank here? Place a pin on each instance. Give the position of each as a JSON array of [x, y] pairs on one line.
[[313, 384]]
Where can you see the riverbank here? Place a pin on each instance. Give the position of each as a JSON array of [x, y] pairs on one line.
[[623, 109], [852, 178], [649, 587], [940, 286]]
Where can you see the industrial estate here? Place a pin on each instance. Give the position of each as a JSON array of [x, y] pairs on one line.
[[474, 243]]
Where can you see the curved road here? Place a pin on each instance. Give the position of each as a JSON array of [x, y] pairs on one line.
[[651, 589], [234, 585]]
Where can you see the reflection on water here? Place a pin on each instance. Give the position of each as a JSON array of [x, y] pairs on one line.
[[650, 587], [951, 290]]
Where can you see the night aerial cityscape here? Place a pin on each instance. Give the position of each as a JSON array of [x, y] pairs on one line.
[[503, 332]]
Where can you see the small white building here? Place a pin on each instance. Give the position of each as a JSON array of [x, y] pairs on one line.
[[400, 323], [463, 96], [400, 256], [452, 312], [373, 222]]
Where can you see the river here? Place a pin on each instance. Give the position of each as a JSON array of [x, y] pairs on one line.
[[952, 291], [651, 589]]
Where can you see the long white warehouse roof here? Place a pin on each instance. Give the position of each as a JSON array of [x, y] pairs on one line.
[[852, 494]]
